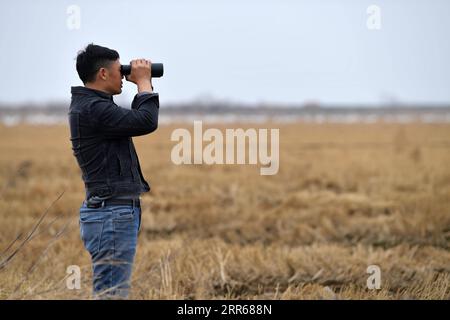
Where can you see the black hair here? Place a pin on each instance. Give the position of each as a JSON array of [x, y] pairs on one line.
[[92, 58]]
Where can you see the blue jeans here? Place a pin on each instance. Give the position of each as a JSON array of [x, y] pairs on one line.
[[110, 234]]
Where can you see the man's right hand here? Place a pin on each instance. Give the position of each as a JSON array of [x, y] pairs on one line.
[[141, 74]]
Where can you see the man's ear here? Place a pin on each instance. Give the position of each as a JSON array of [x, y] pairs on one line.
[[102, 73]]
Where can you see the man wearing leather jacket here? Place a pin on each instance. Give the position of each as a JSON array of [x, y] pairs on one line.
[[101, 134]]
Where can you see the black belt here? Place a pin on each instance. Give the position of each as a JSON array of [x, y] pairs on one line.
[[108, 202]]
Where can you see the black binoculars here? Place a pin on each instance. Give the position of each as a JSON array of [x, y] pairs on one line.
[[157, 70]]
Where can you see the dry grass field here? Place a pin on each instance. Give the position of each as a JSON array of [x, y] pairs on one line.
[[346, 196]]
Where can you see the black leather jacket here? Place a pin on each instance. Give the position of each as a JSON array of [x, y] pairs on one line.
[[101, 131]]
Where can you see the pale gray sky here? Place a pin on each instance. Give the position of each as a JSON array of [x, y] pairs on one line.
[[244, 51]]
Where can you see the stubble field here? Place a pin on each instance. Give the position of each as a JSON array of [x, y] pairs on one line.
[[346, 196]]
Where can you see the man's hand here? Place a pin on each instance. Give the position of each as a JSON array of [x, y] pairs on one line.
[[141, 75]]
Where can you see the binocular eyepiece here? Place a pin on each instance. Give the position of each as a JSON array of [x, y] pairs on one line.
[[157, 70]]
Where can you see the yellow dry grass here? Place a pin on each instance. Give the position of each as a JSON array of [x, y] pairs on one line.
[[345, 197]]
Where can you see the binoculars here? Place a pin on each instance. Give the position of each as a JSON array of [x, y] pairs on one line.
[[157, 70]]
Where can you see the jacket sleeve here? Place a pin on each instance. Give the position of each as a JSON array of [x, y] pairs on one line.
[[114, 121]]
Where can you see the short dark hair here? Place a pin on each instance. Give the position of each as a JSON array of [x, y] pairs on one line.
[[92, 58]]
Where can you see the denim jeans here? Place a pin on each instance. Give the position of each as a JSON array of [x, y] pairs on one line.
[[110, 234]]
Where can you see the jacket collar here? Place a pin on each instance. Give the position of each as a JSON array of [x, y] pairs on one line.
[[79, 90]]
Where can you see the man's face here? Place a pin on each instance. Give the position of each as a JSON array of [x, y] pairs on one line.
[[114, 78]]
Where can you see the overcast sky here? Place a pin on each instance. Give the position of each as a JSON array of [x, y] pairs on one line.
[[244, 51]]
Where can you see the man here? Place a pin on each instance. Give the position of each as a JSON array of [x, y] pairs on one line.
[[101, 132]]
